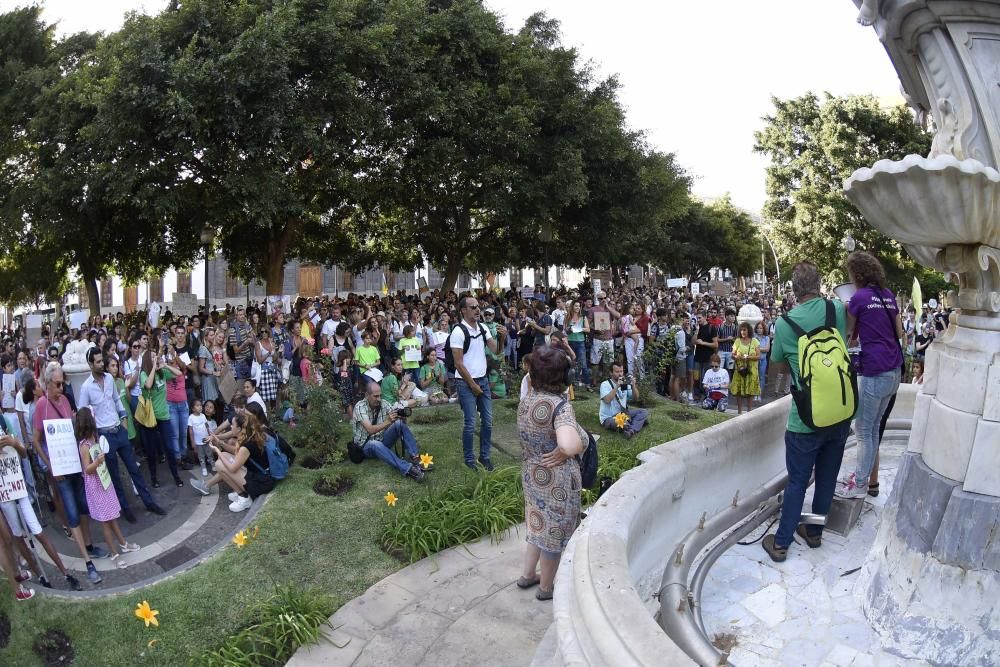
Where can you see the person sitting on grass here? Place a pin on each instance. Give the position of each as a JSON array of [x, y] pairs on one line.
[[237, 469], [716, 383], [399, 389], [377, 427], [432, 378], [615, 394]]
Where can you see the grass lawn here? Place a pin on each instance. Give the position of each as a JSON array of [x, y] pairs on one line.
[[313, 541]]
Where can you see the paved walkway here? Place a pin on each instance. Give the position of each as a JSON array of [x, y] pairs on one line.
[[460, 607]]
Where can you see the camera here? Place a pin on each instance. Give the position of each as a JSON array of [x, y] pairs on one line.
[[403, 412], [627, 383]]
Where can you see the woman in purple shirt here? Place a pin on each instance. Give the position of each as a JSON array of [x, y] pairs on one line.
[[872, 318]]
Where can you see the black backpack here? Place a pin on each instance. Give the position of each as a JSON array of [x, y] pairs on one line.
[[588, 459], [449, 358]]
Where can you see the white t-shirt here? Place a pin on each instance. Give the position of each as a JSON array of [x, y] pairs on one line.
[[558, 317], [475, 358], [715, 379], [133, 366], [257, 399], [329, 328], [199, 427]]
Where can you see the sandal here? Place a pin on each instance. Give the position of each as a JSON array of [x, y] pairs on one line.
[[524, 582], [873, 490], [128, 547], [117, 558], [543, 595]]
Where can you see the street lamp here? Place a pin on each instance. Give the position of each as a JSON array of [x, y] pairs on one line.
[[849, 244], [207, 236]]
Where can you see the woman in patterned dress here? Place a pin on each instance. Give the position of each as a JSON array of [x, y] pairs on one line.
[[550, 440], [270, 376]]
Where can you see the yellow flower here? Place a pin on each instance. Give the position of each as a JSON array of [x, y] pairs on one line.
[[240, 538], [621, 419], [146, 614], [426, 460], [390, 499]]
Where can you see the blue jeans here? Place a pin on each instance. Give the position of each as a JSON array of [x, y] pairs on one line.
[[822, 450], [382, 449], [874, 394], [580, 350], [179, 423], [120, 446], [637, 419], [470, 405], [74, 499]]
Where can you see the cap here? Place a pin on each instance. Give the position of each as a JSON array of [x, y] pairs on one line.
[[489, 310], [602, 295]]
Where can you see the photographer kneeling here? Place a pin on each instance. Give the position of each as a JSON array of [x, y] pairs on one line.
[[615, 394], [377, 425]]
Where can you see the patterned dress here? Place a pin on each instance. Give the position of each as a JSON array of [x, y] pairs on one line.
[[102, 503], [749, 384], [551, 495]]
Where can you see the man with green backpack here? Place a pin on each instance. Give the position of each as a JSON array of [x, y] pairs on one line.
[[810, 341]]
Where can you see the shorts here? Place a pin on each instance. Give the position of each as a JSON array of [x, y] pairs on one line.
[[74, 501], [680, 368], [27, 517]]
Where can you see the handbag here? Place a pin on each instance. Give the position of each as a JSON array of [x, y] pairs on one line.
[[144, 413], [587, 460]]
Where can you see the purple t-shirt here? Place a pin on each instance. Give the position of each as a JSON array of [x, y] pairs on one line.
[[877, 332]]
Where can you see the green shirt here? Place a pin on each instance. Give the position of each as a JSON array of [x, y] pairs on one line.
[[408, 344], [367, 357], [427, 371], [785, 347], [157, 393], [124, 395], [390, 389]]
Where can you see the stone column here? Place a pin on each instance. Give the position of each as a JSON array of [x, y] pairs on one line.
[[932, 579]]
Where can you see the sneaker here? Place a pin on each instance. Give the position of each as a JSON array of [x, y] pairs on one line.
[[453, 399], [44, 581], [241, 504], [848, 488], [23, 576], [813, 541], [73, 583], [22, 593], [873, 490], [415, 460], [129, 515], [117, 558], [92, 575], [95, 551], [471, 465], [200, 486], [488, 464], [777, 554], [178, 482], [204, 471], [128, 547], [233, 496], [415, 473], [156, 509]]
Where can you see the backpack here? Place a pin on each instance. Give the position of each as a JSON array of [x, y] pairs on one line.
[[588, 459], [449, 358], [277, 460], [826, 391]]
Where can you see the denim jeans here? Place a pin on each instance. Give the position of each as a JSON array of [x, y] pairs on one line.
[[179, 423], [120, 446], [74, 499], [470, 405], [154, 441], [383, 449], [822, 450], [637, 419], [873, 394], [580, 350]]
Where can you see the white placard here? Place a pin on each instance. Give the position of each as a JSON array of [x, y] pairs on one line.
[[440, 337], [676, 282], [78, 319], [186, 358], [695, 288], [597, 286], [154, 315], [64, 454], [33, 321], [184, 304], [412, 354], [7, 386], [12, 486], [527, 292]]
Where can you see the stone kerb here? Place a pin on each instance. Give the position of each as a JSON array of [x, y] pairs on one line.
[[615, 559]]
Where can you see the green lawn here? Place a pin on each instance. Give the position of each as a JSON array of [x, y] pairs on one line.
[[305, 539]]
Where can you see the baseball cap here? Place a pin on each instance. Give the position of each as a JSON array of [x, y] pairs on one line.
[[489, 310]]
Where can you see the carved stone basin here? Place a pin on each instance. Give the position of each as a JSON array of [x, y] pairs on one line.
[[930, 202]]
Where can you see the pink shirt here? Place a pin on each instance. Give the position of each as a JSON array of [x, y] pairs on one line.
[[46, 410], [177, 389]]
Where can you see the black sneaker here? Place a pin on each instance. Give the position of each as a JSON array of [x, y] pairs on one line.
[[73, 583], [129, 515], [487, 464], [777, 554], [156, 509], [471, 465], [415, 473]]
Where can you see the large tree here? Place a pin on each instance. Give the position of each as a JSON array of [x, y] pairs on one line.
[[814, 145], [710, 235]]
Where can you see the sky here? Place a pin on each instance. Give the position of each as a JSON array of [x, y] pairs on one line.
[[697, 76]]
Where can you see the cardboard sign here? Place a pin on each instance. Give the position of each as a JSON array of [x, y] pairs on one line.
[[527, 292], [64, 454], [154, 315], [78, 319], [227, 384], [102, 470], [7, 386], [412, 354], [184, 304], [596, 282], [695, 288], [279, 304], [602, 321], [676, 282], [12, 486]]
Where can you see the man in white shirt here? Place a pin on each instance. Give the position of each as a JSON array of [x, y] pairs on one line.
[[716, 382], [100, 395], [615, 394], [559, 314], [468, 342]]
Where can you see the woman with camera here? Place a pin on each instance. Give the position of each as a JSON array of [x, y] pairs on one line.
[[551, 439], [745, 384]]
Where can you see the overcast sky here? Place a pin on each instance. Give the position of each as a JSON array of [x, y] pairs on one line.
[[697, 75]]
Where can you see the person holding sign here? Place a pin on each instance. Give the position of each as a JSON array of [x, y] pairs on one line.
[[16, 505], [101, 498]]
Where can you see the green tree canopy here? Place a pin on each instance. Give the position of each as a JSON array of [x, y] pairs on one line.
[[814, 145]]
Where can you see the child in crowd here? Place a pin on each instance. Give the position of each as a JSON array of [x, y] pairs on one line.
[[918, 371], [286, 411], [345, 385], [101, 500], [716, 382], [198, 433]]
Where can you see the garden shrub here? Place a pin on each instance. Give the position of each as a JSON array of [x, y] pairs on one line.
[[488, 504], [316, 430]]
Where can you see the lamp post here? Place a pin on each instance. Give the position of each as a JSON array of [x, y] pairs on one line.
[[849, 244], [207, 236]]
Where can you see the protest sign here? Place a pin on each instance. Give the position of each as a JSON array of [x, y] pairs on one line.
[[102, 470], [676, 282], [78, 319], [64, 454], [12, 486], [184, 304]]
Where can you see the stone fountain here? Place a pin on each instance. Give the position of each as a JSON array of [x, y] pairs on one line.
[[933, 576]]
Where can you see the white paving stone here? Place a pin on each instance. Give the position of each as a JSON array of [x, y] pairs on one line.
[[768, 604]]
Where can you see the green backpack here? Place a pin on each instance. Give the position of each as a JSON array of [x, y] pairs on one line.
[[826, 391]]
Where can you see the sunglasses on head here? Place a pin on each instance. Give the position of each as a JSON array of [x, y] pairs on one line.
[[59, 384]]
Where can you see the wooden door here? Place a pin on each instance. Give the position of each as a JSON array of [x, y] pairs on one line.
[[310, 280], [131, 299]]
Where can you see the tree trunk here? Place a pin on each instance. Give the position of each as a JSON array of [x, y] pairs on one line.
[[93, 294], [274, 260], [274, 275], [451, 272]]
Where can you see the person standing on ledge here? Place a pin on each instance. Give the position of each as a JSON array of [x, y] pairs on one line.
[[806, 448], [469, 341]]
